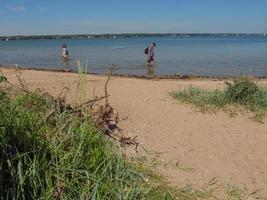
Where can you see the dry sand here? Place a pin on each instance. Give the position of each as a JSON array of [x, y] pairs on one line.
[[206, 145]]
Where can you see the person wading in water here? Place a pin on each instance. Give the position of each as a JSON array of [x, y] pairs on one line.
[[65, 57], [149, 51], [65, 52]]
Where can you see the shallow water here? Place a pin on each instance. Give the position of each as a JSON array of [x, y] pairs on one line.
[[204, 56]]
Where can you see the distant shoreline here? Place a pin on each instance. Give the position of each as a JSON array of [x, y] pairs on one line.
[[129, 35], [146, 77]]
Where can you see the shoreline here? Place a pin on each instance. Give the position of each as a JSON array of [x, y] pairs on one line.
[[132, 76], [127, 35]]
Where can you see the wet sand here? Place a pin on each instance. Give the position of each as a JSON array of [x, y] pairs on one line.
[[232, 149]]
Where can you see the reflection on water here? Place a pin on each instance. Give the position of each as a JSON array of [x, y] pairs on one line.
[[150, 70], [66, 64]]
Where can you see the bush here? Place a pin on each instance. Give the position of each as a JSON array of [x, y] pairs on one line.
[[243, 91]]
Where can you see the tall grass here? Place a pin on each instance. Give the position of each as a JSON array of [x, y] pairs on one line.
[[63, 156], [60, 158], [81, 86], [243, 92]]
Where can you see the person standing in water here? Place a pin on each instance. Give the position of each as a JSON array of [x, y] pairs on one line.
[[64, 52], [65, 57], [149, 51]]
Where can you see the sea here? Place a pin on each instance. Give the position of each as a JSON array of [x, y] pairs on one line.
[[216, 56]]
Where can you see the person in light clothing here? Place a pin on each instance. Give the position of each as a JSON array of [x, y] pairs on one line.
[[64, 52]]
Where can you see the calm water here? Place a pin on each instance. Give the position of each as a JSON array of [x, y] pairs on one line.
[[211, 56]]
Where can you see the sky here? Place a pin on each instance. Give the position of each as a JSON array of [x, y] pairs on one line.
[[40, 17]]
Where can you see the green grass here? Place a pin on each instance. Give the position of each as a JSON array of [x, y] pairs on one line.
[[243, 92], [64, 157]]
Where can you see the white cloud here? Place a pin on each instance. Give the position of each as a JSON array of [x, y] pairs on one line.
[[16, 8]]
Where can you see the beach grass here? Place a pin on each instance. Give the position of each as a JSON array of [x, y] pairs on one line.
[[64, 156], [244, 92], [61, 158]]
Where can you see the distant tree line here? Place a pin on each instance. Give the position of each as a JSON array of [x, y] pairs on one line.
[[124, 35]]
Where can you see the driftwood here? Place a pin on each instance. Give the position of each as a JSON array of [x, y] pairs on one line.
[[102, 114]]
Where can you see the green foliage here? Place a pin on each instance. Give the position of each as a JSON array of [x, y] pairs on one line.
[[201, 98], [243, 91], [2, 78], [66, 157], [54, 158]]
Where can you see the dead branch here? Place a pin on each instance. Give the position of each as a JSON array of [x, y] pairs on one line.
[[103, 116], [91, 101], [107, 81], [22, 82], [64, 92]]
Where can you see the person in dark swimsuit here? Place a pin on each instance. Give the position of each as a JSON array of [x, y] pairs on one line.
[[150, 54]]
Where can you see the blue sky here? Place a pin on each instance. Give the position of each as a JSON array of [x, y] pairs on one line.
[[30, 17]]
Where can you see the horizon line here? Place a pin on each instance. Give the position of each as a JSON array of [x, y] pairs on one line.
[[138, 33]]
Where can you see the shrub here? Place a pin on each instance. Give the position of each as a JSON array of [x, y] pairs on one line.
[[244, 91]]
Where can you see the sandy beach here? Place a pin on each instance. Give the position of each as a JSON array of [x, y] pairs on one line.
[[211, 145]]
